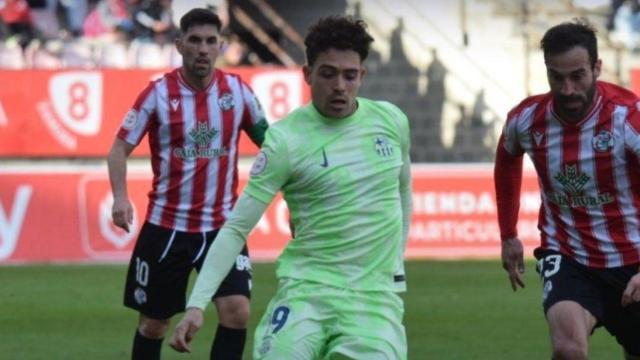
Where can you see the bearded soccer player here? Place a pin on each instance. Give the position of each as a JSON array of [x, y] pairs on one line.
[[193, 117], [342, 163], [583, 139]]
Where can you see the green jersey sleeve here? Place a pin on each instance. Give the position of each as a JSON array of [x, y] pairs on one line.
[[270, 170]]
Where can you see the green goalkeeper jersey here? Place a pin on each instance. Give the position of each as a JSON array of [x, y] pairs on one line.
[[347, 185]]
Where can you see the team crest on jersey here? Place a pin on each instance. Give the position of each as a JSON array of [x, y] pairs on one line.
[[573, 183], [382, 146], [130, 119], [259, 164], [603, 142], [226, 101]]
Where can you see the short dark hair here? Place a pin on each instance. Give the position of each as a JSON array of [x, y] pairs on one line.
[[199, 16], [565, 36], [337, 32]]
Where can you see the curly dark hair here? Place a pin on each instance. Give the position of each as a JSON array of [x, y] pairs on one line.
[[565, 36], [337, 32], [199, 16]]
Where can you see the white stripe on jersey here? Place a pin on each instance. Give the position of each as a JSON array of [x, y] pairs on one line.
[[621, 176], [214, 166], [596, 214], [236, 89], [555, 137]]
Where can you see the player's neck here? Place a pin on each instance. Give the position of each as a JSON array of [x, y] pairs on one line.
[[197, 83]]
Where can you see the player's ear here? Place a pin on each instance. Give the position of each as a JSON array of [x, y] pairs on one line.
[[178, 44], [597, 68], [363, 72], [306, 71]]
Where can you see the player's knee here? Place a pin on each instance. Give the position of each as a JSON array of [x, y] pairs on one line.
[[569, 350], [153, 328], [233, 311]]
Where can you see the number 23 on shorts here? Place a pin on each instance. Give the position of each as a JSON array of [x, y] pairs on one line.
[[549, 265], [279, 318]]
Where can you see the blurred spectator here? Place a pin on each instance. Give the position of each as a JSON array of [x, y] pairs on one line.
[[73, 13], [45, 20], [235, 52], [44, 54], [626, 23], [153, 21], [109, 20], [18, 25]]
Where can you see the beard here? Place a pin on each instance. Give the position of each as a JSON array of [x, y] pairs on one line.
[[573, 113]]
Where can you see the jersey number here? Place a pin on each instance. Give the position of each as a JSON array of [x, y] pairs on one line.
[[279, 318], [551, 260], [142, 272]]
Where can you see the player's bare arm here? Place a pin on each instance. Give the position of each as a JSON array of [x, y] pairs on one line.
[[513, 261], [122, 211]]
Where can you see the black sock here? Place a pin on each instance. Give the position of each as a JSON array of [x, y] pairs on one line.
[[145, 348], [228, 343]]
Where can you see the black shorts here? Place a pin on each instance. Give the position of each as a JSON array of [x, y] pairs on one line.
[[160, 266], [597, 290]]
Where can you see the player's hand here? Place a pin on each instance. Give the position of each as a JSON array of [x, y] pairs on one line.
[[513, 261], [186, 329], [122, 213], [632, 293]]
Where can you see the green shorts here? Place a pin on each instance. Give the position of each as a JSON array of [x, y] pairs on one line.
[[307, 320]]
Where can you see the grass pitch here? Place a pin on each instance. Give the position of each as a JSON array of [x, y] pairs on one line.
[[454, 310]]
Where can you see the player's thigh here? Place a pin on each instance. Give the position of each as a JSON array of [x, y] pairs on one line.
[[292, 325], [569, 322], [158, 273], [564, 279], [369, 327]]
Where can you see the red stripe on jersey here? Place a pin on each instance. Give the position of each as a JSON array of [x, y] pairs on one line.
[[223, 164], [605, 176], [176, 126], [540, 125], [582, 220], [201, 168], [154, 145]]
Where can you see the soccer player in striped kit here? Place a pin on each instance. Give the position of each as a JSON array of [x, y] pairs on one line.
[[193, 117], [342, 163], [583, 139]]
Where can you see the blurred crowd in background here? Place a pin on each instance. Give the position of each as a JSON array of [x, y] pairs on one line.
[[52, 34]]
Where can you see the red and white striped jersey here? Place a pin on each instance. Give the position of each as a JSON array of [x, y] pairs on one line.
[[588, 172], [193, 136]]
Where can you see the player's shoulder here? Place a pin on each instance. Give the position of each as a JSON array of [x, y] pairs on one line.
[[617, 94], [231, 77], [383, 106], [528, 103], [387, 110]]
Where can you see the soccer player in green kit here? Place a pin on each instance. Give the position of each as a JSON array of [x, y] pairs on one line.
[[343, 166]]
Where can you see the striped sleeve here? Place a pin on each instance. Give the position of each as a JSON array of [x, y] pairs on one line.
[[254, 121], [136, 121], [632, 130]]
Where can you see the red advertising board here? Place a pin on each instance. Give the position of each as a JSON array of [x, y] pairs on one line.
[[65, 215], [77, 113]]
